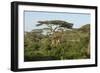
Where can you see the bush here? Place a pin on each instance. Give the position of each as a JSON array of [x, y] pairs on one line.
[[74, 45]]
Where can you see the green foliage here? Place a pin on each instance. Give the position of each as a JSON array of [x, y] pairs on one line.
[[74, 45], [56, 22]]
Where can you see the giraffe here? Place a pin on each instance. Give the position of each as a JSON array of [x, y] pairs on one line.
[[56, 38]]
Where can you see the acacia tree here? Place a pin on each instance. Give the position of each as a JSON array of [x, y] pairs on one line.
[[55, 29]]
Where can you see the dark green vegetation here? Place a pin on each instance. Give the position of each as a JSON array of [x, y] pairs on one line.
[[60, 43]]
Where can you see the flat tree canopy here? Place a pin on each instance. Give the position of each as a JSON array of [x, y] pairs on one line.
[[61, 23]]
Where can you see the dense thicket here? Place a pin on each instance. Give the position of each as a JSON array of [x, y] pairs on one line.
[[73, 44]]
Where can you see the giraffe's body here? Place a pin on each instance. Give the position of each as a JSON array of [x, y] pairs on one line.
[[56, 38]]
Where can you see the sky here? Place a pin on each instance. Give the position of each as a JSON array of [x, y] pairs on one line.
[[32, 17]]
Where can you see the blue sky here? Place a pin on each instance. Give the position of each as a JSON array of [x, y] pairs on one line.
[[31, 18]]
